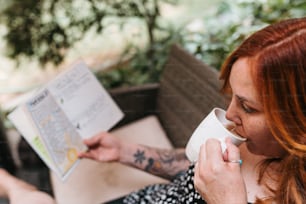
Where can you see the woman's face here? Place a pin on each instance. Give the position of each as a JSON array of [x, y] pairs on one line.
[[246, 111]]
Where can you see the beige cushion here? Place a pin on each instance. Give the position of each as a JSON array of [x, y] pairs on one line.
[[94, 182]]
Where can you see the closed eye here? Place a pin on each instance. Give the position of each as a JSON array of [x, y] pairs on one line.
[[245, 107]]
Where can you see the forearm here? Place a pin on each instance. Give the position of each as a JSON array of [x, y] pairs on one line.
[[160, 162]]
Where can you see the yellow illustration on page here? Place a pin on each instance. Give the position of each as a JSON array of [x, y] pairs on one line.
[[72, 151]]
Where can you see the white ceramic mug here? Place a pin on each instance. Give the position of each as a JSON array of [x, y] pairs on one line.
[[214, 125]]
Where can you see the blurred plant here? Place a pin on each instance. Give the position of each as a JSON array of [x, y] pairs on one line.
[[233, 21], [144, 66], [46, 29]]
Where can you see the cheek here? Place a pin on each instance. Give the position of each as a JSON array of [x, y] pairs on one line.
[[260, 139], [260, 134], [255, 128]]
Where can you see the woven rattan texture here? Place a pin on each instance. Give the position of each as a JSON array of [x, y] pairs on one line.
[[189, 89]]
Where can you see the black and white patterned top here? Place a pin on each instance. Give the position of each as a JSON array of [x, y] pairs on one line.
[[180, 190]]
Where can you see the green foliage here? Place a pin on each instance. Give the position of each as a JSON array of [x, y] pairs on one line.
[[145, 66], [46, 29], [224, 30], [233, 21]]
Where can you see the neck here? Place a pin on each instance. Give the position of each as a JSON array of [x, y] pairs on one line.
[[250, 170]]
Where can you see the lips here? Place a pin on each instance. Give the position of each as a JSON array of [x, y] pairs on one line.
[[237, 132]]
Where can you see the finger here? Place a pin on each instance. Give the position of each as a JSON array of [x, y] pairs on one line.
[[233, 153], [196, 175], [213, 150], [85, 155], [93, 141], [202, 155]]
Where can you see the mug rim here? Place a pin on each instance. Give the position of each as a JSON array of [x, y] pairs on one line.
[[223, 112]]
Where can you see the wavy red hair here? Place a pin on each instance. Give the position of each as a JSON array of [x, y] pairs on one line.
[[278, 63]]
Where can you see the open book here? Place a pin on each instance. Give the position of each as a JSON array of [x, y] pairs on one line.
[[57, 117]]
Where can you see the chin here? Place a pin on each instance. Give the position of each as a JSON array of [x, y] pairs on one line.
[[254, 150]]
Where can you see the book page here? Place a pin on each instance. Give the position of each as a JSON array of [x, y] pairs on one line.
[[60, 137], [25, 125], [85, 102]]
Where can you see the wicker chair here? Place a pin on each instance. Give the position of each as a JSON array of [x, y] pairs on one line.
[[187, 92]]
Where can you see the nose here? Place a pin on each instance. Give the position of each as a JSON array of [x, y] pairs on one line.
[[232, 113]]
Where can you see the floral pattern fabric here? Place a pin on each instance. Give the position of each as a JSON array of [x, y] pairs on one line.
[[180, 191]]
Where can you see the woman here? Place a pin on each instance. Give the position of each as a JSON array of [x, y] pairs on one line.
[[266, 77]]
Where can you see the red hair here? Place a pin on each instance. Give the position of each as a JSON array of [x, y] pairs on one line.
[[278, 61]]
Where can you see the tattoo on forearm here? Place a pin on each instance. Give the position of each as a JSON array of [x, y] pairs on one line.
[[171, 157], [166, 163], [166, 157], [139, 156], [150, 164], [153, 166]]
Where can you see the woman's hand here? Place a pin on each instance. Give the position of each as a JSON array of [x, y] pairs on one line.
[[102, 147], [217, 180]]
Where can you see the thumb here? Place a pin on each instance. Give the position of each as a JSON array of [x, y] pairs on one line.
[[83, 154], [87, 155]]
